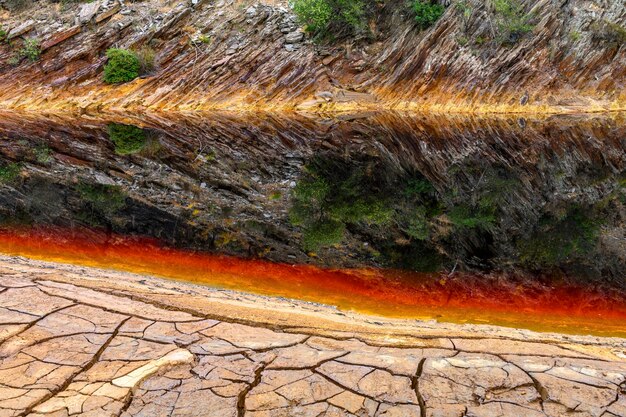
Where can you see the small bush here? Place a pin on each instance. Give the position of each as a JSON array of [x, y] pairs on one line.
[[128, 139], [418, 226], [43, 154], [466, 217], [464, 7], [559, 240], [104, 199], [3, 34], [322, 234], [9, 172], [331, 17], [123, 66], [512, 21], [205, 39], [146, 57], [575, 35], [426, 14], [31, 50]]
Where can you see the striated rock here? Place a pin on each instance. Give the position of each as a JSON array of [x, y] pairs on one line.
[[570, 61], [294, 37], [112, 11], [88, 11], [60, 36], [20, 30]]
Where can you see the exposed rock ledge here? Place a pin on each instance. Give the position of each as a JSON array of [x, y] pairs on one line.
[[252, 55], [81, 341]]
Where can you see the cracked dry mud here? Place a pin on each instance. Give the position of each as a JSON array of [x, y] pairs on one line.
[[81, 341]]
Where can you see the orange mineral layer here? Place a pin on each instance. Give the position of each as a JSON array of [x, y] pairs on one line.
[[465, 298]]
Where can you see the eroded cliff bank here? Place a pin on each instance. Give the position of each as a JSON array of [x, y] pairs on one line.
[[245, 55], [502, 195]]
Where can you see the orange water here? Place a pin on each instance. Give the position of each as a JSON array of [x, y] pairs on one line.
[[465, 298]]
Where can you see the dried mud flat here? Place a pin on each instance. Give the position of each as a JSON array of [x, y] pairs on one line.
[[82, 341]]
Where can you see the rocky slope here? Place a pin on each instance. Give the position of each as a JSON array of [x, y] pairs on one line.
[[225, 54], [489, 195], [85, 342]]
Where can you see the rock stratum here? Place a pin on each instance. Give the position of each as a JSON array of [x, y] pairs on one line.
[[244, 55], [82, 341]]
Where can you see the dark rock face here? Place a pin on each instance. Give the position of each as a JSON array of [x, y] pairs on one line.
[[569, 55], [430, 194]]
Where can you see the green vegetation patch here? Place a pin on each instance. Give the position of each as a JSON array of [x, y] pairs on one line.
[[512, 21], [43, 154], [30, 50], [557, 239], [468, 217], [122, 66], [331, 18], [128, 139], [104, 199], [9, 172], [427, 13], [332, 195]]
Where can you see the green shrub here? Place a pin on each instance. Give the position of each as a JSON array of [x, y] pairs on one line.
[[9, 172], [43, 154], [559, 240], [128, 139], [512, 21], [323, 233], [3, 34], [464, 7], [426, 14], [122, 66], [480, 40], [333, 194], [31, 50], [417, 187], [103, 199], [418, 225], [331, 17], [205, 39], [467, 217]]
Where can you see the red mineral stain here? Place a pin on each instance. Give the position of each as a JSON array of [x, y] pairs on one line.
[[464, 298]]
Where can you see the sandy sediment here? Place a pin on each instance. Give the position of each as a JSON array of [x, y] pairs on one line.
[[84, 341]]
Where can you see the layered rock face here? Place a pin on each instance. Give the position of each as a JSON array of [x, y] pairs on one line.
[[226, 55], [425, 194], [84, 342]]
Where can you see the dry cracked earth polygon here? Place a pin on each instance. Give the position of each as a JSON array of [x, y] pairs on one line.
[[76, 350]]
